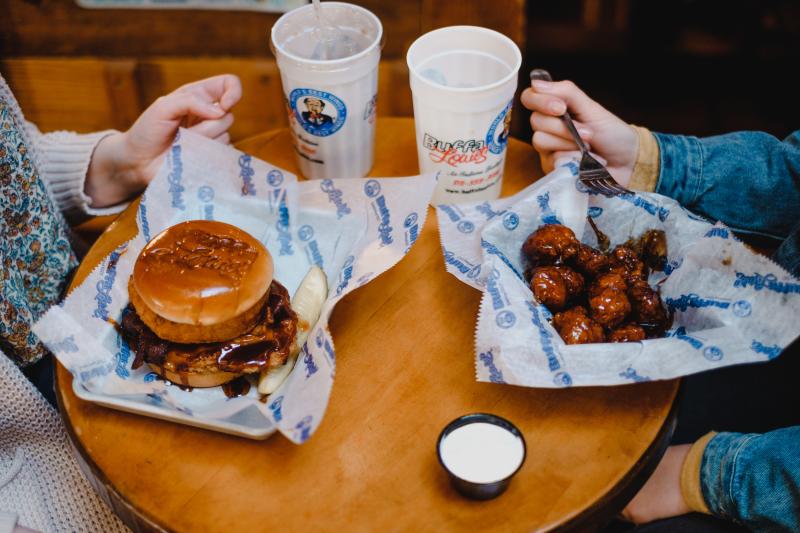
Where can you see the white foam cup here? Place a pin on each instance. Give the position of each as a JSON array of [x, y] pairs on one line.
[[330, 102], [463, 80]]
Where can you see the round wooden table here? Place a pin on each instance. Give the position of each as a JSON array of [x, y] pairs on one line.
[[372, 464]]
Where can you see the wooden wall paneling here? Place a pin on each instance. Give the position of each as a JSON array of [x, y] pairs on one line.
[[505, 16], [401, 20], [123, 92], [60, 27], [394, 91], [261, 107], [73, 94]]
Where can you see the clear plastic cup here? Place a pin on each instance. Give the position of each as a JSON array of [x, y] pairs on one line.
[[463, 80], [330, 102]]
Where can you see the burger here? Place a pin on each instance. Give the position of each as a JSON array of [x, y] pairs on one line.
[[204, 308]]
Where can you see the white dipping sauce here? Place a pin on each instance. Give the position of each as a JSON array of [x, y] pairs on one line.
[[481, 452]]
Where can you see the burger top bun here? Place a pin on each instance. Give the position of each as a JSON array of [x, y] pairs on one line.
[[202, 272]]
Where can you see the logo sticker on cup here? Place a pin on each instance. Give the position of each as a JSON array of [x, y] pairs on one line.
[[497, 138], [318, 112], [369, 110]]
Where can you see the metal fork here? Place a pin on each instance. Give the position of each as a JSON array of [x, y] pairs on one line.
[[591, 172]]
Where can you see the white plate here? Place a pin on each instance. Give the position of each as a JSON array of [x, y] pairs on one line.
[[248, 423]]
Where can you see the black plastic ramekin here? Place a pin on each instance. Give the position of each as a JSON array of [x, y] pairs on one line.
[[471, 489]]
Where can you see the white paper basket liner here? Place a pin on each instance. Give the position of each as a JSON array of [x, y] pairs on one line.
[[731, 306], [354, 229]]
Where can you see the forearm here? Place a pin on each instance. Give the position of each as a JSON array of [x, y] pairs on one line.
[[750, 479], [748, 180]]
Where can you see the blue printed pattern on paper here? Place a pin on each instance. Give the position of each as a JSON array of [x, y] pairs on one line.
[[548, 216], [492, 287], [373, 190], [322, 342], [303, 429], [742, 308], [681, 334], [122, 357], [493, 250], [450, 211], [486, 209], [495, 375], [672, 266], [712, 353], [462, 265], [630, 373], [206, 195], [465, 226], [143, 220], [506, 319], [282, 225], [412, 229], [335, 196], [346, 275], [175, 178], [306, 234], [96, 371], [65, 345], [246, 172], [770, 351], [275, 407], [768, 281], [510, 221], [103, 287], [718, 232], [661, 212], [562, 379], [545, 338], [694, 300], [274, 178], [308, 361]]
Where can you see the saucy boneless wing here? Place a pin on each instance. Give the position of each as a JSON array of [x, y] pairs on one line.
[[597, 296]]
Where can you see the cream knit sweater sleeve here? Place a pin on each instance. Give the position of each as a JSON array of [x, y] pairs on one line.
[[41, 484], [63, 160]]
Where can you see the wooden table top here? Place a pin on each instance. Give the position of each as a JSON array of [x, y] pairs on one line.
[[372, 464]]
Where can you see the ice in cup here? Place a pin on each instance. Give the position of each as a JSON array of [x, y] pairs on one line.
[[329, 73], [463, 80]]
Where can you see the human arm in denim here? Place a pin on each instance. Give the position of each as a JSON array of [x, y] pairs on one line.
[[748, 180], [750, 479]]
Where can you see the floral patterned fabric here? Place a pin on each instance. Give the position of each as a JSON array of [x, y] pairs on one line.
[[34, 247]]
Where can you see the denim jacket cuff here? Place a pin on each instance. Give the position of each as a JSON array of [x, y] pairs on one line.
[[680, 167], [718, 472], [691, 489], [645, 170]]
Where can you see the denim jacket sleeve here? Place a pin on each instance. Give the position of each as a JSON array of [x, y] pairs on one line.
[[748, 180], [754, 479]]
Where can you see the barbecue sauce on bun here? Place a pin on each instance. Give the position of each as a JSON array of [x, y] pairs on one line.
[[204, 307]]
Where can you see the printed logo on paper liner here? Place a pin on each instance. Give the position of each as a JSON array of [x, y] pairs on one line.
[[318, 112]]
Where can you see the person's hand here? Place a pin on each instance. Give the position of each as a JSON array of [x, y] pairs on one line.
[[607, 136], [123, 164], [661, 495]]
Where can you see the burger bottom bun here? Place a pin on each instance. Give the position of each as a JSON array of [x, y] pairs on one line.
[[196, 333], [195, 379]]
